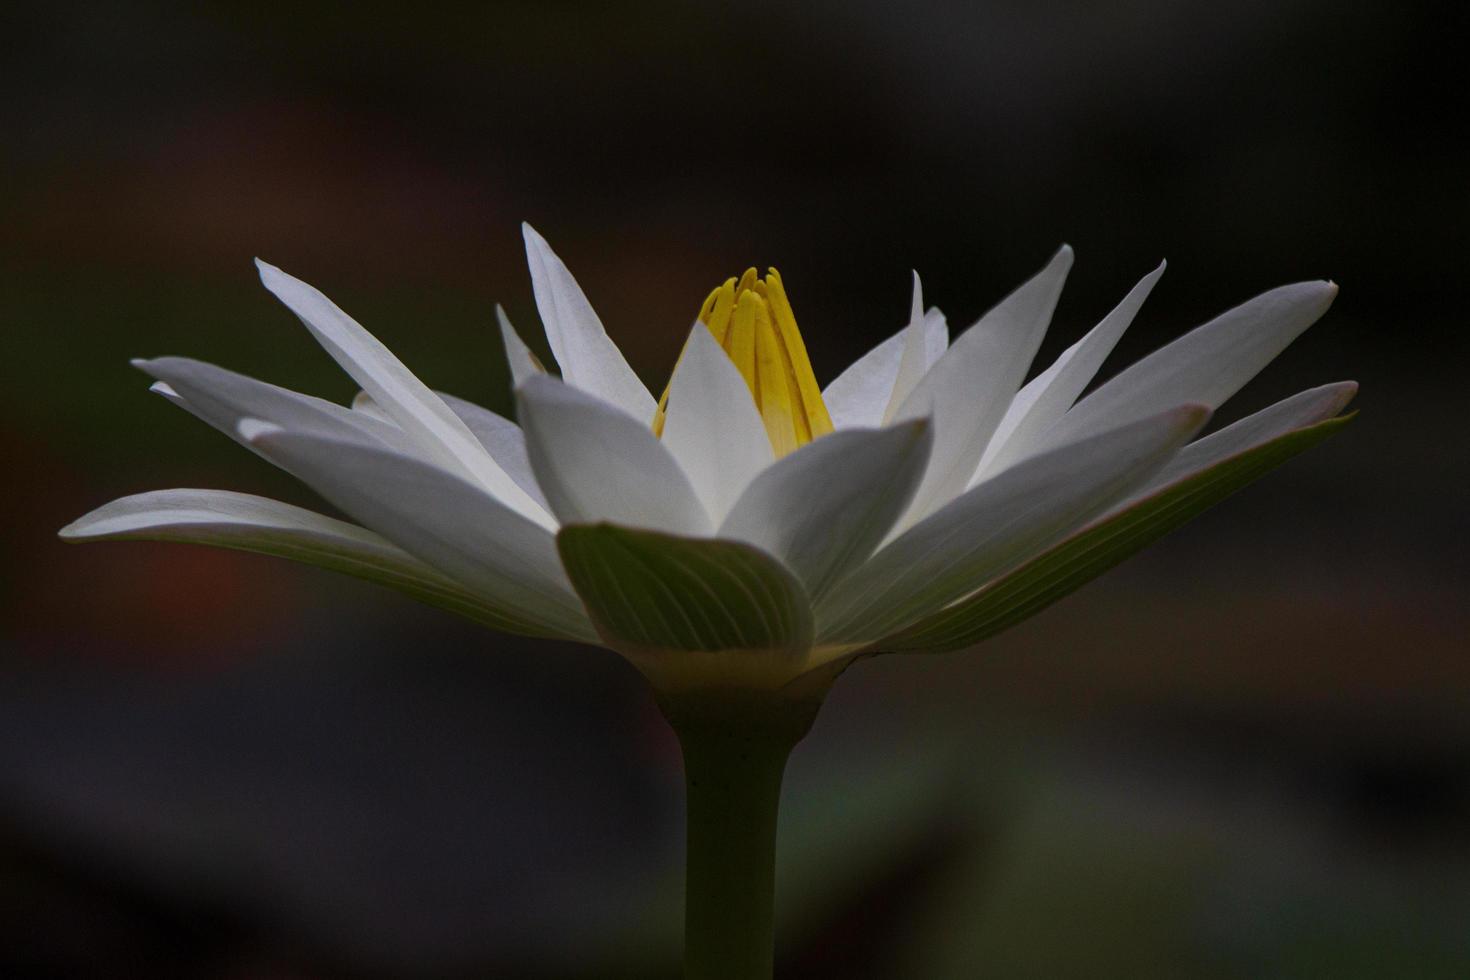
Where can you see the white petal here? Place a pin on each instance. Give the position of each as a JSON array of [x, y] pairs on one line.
[[1080, 556], [998, 524], [523, 363], [503, 440], [363, 402], [860, 395], [712, 427], [936, 336], [161, 510], [440, 518], [857, 397], [824, 508], [247, 523], [595, 462], [1047, 397], [919, 341], [222, 398], [587, 356], [501, 437], [968, 389], [1205, 366], [1300, 410], [417, 410]]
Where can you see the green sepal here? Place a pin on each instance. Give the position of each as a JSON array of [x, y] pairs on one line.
[[646, 591], [1077, 560]]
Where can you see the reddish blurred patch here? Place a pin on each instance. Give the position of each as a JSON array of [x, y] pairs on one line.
[[142, 603]]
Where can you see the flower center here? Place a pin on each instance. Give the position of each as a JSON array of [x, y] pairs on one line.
[[752, 320]]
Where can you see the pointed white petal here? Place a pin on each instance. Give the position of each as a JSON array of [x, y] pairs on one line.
[[175, 510], [824, 508], [862, 395], [936, 332], [595, 462], [503, 440], [1205, 366], [1047, 397], [713, 428], [587, 356], [1081, 556], [857, 397], [968, 389], [500, 436], [363, 402], [1297, 412], [919, 341], [523, 363], [417, 410], [248, 523], [997, 525], [222, 398], [438, 517]]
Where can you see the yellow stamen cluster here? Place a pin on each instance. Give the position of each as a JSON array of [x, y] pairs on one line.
[[752, 320]]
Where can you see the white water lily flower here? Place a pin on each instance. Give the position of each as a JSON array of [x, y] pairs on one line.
[[749, 528]]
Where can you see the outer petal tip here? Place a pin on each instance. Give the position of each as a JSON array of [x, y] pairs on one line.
[[1061, 261], [81, 529], [1192, 415], [1319, 296], [276, 279], [1342, 395], [1322, 290], [255, 432]]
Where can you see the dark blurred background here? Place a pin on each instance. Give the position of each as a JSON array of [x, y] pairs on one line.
[[1245, 753]]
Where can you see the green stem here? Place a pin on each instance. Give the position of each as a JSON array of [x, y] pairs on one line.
[[734, 757]]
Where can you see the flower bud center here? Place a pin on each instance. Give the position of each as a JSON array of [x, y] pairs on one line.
[[752, 320]]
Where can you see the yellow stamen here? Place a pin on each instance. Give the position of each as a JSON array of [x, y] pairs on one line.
[[814, 410], [740, 341], [752, 320], [771, 391]]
